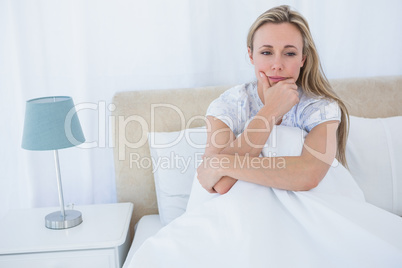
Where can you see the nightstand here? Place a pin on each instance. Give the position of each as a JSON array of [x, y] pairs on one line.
[[101, 240]]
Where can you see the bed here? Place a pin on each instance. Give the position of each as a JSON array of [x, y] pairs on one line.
[[140, 115]]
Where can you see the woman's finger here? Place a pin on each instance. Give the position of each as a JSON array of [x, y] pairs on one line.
[[288, 81], [264, 80]]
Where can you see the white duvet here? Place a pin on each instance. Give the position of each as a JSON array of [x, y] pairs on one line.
[[258, 226]]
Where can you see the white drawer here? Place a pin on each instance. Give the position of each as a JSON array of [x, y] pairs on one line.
[[84, 258]]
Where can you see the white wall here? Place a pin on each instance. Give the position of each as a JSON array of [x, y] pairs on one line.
[[90, 49]]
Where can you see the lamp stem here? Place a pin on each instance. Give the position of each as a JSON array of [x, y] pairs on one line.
[[62, 219], [59, 186]]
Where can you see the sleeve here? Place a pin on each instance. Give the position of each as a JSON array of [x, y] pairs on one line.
[[228, 108], [319, 111]]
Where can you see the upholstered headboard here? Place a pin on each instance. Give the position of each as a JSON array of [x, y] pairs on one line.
[[138, 112]]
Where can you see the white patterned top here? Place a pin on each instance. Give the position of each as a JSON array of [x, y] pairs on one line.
[[237, 106]]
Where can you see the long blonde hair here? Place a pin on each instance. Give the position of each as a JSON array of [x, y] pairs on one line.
[[312, 78]]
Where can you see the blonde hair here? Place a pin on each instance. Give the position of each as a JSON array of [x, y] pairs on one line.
[[312, 78]]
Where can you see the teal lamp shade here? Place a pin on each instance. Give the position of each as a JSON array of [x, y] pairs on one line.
[[51, 123]]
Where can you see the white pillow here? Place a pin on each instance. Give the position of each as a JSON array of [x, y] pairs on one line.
[[283, 141], [175, 157], [374, 156]]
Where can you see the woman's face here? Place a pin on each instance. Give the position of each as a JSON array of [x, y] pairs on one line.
[[277, 51]]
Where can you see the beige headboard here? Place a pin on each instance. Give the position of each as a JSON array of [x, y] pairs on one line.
[[365, 97]]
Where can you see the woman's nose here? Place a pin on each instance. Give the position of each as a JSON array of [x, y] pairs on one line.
[[277, 64]]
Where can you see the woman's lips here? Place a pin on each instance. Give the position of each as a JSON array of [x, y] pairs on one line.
[[276, 79]]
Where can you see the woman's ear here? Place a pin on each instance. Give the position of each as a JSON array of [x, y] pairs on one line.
[[303, 60], [250, 55]]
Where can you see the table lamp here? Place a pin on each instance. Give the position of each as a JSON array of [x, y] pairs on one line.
[[51, 123]]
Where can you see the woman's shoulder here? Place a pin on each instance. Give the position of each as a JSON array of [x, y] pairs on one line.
[[233, 106], [312, 110], [310, 100], [234, 98], [239, 91]]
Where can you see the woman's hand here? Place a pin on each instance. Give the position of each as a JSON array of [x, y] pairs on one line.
[[209, 172], [280, 97]]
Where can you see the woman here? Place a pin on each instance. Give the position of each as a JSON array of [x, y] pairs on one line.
[[291, 90], [256, 226]]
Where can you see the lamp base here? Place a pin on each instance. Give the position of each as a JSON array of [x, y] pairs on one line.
[[56, 221]]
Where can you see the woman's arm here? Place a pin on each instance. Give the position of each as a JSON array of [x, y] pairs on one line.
[[296, 173], [221, 140], [278, 100]]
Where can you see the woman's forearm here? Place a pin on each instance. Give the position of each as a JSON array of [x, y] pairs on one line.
[[254, 137], [294, 173], [250, 142], [224, 184]]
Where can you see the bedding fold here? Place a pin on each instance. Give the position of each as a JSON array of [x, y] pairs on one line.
[[258, 226]]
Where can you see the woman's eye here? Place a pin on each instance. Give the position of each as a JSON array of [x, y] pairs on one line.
[[291, 54], [266, 53]]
